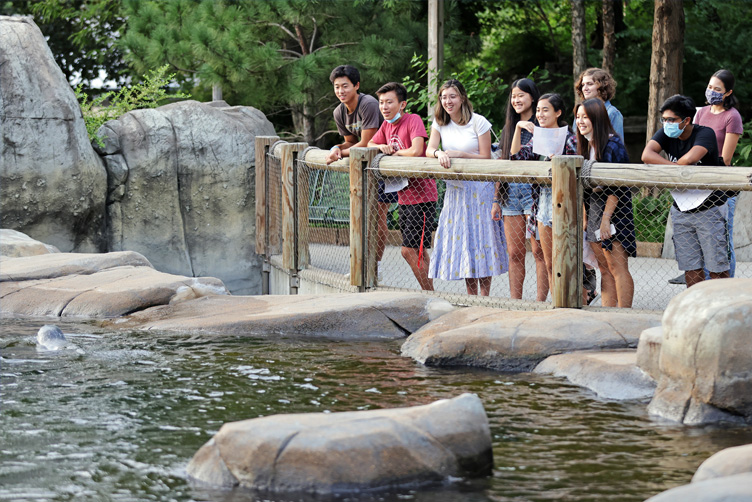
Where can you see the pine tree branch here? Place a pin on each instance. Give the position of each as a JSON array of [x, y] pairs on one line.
[[283, 28], [301, 39], [334, 46], [299, 55], [313, 37]]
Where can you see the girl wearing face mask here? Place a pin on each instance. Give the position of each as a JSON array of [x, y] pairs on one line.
[[549, 113], [517, 202], [468, 243], [722, 116], [607, 207]]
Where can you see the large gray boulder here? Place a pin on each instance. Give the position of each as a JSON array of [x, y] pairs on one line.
[[727, 462], [92, 285], [706, 355], [53, 183], [181, 189], [649, 351], [329, 453], [376, 315], [519, 340]]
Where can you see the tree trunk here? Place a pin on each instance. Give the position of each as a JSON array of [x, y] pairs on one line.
[[609, 36], [579, 42], [666, 61]]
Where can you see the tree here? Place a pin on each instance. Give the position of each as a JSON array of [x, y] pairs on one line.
[[82, 35], [667, 58], [277, 54], [579, 40], [609, 36]]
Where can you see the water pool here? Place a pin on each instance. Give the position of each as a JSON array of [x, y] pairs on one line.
[[119, 417]]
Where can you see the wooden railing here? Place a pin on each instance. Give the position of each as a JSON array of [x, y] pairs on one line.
[[563, 173]]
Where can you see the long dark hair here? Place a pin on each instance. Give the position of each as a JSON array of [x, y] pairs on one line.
[[527, 86], [602, 128], [558, 103], [727, 78]]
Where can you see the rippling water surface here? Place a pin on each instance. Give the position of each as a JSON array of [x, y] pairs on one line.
[[118, 416]]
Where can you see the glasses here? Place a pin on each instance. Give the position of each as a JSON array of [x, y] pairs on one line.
[[670, 120]]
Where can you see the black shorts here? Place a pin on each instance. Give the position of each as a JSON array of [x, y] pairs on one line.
[[386, 197], [417, 220]]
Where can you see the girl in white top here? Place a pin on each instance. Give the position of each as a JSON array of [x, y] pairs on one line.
[[469, 244]]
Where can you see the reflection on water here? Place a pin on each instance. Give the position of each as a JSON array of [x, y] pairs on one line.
[[118, 417]]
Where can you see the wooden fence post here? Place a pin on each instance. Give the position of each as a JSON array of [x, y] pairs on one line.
[[290, 205], [363, 218], [566, 290], [262, 216]]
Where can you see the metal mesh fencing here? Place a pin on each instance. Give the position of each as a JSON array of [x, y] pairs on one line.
[[328, 192], [475, 240]]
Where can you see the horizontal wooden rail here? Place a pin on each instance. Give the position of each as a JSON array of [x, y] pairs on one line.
[[676, 176], [316, 159], [518, 171]]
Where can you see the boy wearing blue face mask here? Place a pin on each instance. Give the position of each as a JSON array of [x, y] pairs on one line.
[[699, 216]]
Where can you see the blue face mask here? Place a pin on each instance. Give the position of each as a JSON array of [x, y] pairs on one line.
[[672, 130], [713, 97], [396, 118]]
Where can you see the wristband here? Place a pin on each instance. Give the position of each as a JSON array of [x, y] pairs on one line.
[[497, 201], [436, 152], [332, 148]]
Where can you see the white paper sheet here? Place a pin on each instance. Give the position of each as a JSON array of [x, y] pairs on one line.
[[689, 199], [394, 184], [549, 141]]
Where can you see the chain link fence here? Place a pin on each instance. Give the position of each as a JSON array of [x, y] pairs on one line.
[[461, 231]]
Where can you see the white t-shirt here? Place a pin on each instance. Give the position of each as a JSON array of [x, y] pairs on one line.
[[463, 137]]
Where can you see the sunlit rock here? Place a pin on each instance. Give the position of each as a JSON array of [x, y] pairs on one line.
[[519, 340], [737, 488], [649, 351], [728, 462], [610, 374], [92, 285], [330, 453], [706, 355], [376, 315], [15, 244]]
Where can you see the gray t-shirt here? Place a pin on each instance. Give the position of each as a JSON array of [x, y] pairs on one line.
[[365, 116]]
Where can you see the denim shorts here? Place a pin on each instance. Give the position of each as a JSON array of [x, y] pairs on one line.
[[519, 200], [701, 239], [545, 207]]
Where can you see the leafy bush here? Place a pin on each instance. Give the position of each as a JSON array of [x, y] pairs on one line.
[[743, 155], [651, 215], [486, 92], [150, 93]]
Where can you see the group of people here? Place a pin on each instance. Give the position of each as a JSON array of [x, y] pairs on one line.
[[483, 226]]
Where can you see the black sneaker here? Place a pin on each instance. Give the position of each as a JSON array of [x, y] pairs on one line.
[[593, 296], [679, 279]]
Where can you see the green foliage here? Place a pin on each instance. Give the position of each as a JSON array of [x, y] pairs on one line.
[[276, 54], [743, 154], [651, 216], [149, 93], [485, 91], [82, 35]]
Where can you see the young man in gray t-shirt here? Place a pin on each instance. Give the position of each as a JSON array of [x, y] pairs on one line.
[[358, 118]]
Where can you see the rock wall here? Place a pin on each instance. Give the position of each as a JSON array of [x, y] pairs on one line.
[[53, 183], [181, 189]]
